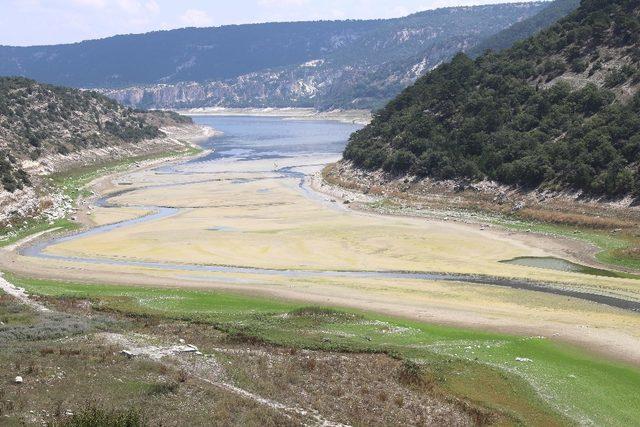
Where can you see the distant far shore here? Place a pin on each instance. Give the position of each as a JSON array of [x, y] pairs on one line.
[[348, 116]]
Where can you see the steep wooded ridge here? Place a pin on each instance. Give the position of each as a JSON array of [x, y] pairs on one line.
[[526, 28], [344, 64], [37, 120], [558, 111]]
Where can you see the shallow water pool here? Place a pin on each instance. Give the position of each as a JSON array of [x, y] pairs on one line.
[[559, 264]]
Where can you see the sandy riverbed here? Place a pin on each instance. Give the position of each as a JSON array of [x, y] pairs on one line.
[[347, 116]]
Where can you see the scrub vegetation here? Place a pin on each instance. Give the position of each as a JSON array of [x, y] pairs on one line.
[[72, 184], [38, 120], [528, 380]]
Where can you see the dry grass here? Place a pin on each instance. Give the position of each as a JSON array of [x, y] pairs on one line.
[[79, 381], [563, 210], [573, 218], [632, 252], [357, 389]]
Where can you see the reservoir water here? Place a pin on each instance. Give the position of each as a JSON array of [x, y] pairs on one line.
[[250, 138]]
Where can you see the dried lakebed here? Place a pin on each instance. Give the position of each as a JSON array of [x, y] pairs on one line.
[[38, 251], [280, 144]]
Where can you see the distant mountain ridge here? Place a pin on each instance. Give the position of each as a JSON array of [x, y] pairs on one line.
[[526, 28], [345, 64], [190, 54]]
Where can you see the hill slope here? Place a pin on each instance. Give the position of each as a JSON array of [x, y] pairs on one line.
[[548, 16], [37, 120], [190, 54], [350, 64], [560, 110]]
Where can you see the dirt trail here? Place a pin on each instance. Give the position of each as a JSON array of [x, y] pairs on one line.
[[203, 367], [28, 239], [21, 295]]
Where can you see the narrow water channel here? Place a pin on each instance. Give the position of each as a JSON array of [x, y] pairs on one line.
[[254, 138]]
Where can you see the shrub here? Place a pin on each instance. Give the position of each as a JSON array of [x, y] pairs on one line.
[[410, 373], [164, 387], [95, 417], [493, 117]]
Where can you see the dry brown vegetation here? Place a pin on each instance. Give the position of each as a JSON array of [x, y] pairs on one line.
[[83, 378]]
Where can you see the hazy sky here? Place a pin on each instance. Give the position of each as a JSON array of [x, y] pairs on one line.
[[28, 22]]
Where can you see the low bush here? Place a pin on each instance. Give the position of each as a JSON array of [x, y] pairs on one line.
[[97, 417]]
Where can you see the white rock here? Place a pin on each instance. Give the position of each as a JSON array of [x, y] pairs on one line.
[[128, 354], [19, 380]]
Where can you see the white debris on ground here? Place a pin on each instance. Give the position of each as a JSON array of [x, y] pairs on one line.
[[387, 328], [154, 352], [26, 204], [523, 359], [21, 295]]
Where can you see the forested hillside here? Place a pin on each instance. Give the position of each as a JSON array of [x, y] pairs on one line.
[[560, 110], [346, 64], [190, 54], [548, 16], [38, 119]]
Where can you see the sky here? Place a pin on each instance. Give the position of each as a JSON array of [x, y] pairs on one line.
[[35, 22]]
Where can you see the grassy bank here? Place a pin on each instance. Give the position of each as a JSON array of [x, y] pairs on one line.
[[72, 184], [613, 247], [531, 380]]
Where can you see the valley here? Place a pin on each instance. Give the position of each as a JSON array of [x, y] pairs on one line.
[[244, 218], [325, 65], [425, 219]]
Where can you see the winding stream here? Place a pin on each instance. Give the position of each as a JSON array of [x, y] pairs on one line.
[[250, 138]]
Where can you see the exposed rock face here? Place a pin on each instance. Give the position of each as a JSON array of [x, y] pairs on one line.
[[324, 87], [362, 71]]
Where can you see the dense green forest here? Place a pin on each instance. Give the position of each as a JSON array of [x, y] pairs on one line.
[[524, 29], [560, 110]]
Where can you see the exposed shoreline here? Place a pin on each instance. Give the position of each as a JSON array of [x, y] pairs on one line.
[[347, 116], [490, 207], [27, 204], [604, 341]]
